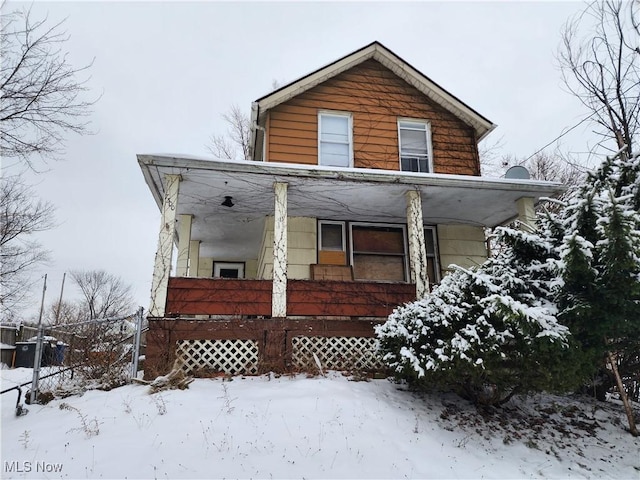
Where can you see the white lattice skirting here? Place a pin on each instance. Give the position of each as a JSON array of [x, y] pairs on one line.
[[336, 353], [228, 356]]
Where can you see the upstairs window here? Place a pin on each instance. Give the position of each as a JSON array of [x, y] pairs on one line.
[[334, 139], [414, 139]]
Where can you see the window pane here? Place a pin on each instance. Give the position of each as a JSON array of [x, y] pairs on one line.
[[334, 154], [414, 164], [378, 267], [334, 125], [413, 141], [414, 148], [378, 240], [429, 243], [331, 236], [413, 125]]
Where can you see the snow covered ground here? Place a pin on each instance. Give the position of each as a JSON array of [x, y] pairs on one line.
[[299, 427]]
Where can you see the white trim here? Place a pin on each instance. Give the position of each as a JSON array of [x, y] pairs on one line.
[[427, 130], [334, 113], [344, 235], [217, 266]]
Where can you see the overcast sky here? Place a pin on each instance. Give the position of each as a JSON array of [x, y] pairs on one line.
[[167, 71]]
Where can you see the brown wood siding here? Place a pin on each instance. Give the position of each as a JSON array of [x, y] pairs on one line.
[[242, 297], [376, 98]]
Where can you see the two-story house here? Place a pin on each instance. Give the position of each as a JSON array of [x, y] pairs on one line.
[[363, 188]]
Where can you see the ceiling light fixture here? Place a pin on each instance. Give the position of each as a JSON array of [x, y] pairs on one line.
[[227, 201]]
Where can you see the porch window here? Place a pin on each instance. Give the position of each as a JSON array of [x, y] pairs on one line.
[[433, 265], [331, 243], [378, 253], [334, 139], [228, 269], [414, 140]]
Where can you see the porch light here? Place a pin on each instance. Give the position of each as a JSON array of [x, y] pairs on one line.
[[227, 201]]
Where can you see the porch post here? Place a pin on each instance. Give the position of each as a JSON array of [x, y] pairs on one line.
[[162, 266], [417, 249], [279, 294], [194, 258], [184, 239], [526, 211]]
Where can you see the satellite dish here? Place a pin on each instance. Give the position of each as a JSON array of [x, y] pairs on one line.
[[517, 173]]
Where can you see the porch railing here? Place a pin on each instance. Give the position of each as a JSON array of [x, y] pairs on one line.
[[313, 298]]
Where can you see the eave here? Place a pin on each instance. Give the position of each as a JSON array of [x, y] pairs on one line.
[[363, 195]]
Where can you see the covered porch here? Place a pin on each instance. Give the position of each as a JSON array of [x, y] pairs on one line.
[[265, 219]]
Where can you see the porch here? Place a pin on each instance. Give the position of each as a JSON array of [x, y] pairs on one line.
[[225, 325], [280, 225]]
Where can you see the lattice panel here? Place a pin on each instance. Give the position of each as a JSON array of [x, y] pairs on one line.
[[336, 353], [228, 356]]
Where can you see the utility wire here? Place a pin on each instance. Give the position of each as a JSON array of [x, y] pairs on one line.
[[561, 135]]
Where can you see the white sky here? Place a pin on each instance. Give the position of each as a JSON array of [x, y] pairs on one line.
[[167, 71]]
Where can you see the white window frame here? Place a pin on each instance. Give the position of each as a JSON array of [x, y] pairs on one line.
[[401, 226], [431, 230], [331, 113], [427, 129], [217, 266], [344, 235]]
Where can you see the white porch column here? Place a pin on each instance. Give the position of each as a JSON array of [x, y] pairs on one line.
[[194, 258], [279, 295], [162, 266], [417, 249], [526, 211], [184, 239]]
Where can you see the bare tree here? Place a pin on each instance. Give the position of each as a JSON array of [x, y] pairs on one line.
[[42, 98], [22, 215], [104, 295], [600, 65], [235, 144]]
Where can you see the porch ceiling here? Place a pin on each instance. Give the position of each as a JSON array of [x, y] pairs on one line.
[[334, 194]]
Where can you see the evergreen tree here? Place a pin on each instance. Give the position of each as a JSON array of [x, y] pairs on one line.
[[489, 332], [600, 268]]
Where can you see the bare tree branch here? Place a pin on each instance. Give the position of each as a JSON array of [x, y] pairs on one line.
[[235, 144], [105, 295], [600, 66], [42, 98], [21, 215]]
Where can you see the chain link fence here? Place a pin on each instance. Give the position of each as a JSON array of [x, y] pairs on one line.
[[74, 357]]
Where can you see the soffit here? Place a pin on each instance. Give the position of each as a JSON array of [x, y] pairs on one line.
[[334, 194]]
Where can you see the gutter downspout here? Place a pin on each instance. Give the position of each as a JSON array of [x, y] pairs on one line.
[[255, 110]]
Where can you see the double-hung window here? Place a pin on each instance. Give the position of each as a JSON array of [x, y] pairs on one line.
[[414, 139], [334, 139]]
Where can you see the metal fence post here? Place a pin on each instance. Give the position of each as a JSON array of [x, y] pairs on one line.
[[136, 343], [38, 353]]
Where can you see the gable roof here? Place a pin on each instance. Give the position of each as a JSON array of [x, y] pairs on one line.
[[393, 62]]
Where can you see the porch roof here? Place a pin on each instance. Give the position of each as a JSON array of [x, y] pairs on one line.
[[364, 195]]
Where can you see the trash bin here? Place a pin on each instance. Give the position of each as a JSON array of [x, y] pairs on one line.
[[59, 353], [26, 354]]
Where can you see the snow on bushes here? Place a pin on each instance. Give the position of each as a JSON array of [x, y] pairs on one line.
[[486, 332]]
